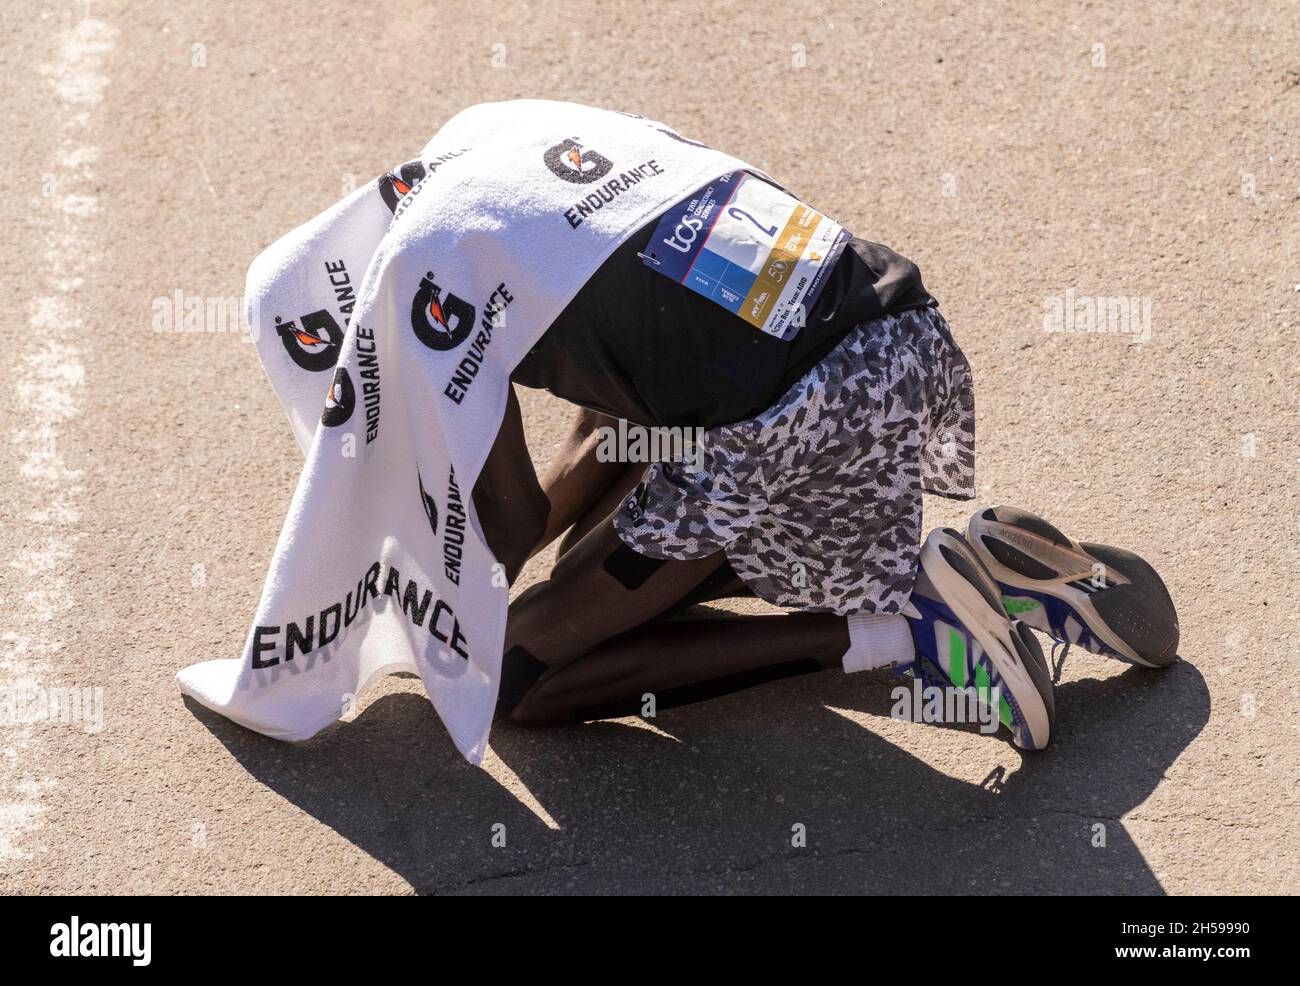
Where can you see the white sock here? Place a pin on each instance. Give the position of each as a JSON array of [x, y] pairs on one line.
[[877, 641]]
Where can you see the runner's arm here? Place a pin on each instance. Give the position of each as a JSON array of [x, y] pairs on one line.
[[575, 478], [511, 506]]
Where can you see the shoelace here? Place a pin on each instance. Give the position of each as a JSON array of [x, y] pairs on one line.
[[1058, 666]]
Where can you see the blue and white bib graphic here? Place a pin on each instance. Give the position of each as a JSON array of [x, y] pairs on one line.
[[754, 249]]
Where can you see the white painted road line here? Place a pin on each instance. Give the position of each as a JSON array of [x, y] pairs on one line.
[[49, 379]]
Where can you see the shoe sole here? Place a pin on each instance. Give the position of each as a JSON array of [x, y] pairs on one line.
[[966, 587], [1120, 597]]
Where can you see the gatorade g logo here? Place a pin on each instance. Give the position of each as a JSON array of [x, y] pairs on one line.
[[440, 322], [395, 185], [340, 400], [314, 346], [569, 161]]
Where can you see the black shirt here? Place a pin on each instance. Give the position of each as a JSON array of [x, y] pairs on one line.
[[638, 345]]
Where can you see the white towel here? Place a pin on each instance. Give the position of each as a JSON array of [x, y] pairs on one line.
[[404, 308]]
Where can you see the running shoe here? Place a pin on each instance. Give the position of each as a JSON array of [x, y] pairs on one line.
[[964, 639], [1106, 600]]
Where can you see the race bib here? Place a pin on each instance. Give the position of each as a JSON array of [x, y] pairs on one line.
[[755, 250]]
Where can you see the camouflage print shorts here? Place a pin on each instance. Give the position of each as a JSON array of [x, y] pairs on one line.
[[817, 501]]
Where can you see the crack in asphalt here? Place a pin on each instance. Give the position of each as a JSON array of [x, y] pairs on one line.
[[782, 855]]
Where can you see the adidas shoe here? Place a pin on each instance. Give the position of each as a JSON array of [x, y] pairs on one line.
[[1106, 600], [965, 639]]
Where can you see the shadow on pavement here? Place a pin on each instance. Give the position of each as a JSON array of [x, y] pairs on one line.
[[711, 805]]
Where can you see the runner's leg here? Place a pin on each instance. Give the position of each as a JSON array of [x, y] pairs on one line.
[[602, 505], [588, 639], [684, 661]]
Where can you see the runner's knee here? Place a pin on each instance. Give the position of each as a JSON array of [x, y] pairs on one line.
[[522, 697], [520, 672]]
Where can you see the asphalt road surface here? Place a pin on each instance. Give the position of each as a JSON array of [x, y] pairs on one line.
[[1029, 158]]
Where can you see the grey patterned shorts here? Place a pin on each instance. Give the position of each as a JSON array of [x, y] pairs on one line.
[[817, 501]]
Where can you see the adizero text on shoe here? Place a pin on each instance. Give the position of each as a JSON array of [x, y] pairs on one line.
[[1107, 600], [965, 639]]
